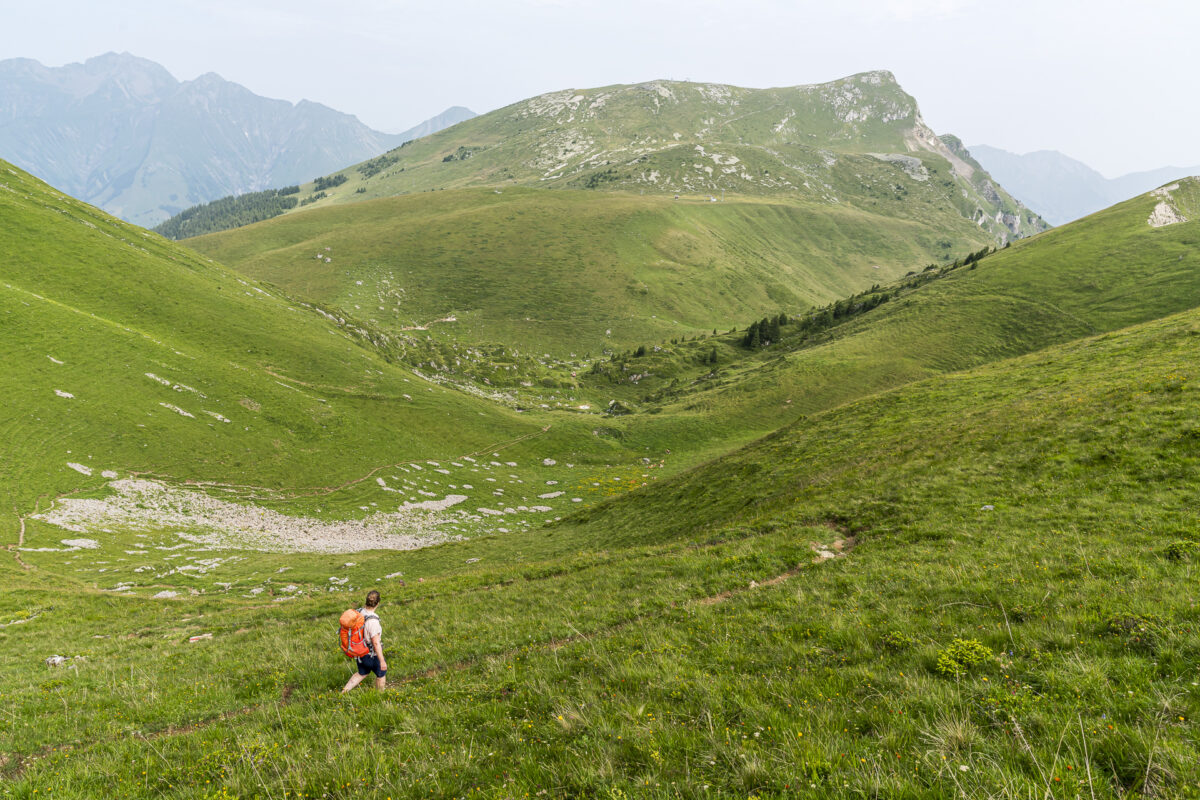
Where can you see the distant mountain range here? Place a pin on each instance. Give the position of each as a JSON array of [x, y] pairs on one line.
[[122, 133], [1062, 189]]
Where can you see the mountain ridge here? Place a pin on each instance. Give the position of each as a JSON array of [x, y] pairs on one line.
[[1063, 189], [121, 132], [858, 141]]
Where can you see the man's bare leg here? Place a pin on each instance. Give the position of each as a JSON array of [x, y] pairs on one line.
[[355, 680], [380, 683]]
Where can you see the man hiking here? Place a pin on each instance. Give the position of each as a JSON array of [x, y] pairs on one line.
[[374, 660]]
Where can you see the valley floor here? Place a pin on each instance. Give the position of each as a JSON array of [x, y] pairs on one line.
[[979, 585]]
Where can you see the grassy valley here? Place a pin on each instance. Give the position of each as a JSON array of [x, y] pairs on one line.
[[930, 532], [580, 272], [129, 356], [908, 595], [1099, 274]]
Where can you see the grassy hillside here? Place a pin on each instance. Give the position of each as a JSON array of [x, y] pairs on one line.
[[974, 584], [979, 584], [564, 272], [1102, 273], [1099, 274], [125, 354], [859, 140]]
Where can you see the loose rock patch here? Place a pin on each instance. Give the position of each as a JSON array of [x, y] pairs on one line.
[[199, 518]]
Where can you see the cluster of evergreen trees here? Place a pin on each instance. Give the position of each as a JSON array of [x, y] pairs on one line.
[[843, 309], [328, 182], [378, 164], [976, 256], [598, 179], [461, 154], [229, 212], [768, 330], [764, 332]]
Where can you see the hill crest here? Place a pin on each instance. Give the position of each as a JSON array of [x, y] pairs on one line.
[[858, 141]]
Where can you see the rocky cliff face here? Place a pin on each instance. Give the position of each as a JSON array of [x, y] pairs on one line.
[[122, 133]]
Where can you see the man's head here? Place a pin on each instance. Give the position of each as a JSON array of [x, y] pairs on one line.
[[372, 599]]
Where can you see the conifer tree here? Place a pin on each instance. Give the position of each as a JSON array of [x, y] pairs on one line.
[[773, 330]]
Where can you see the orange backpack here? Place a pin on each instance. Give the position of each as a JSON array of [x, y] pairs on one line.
[[353, 634]]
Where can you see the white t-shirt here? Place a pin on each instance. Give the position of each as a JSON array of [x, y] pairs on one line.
[[371, 629]]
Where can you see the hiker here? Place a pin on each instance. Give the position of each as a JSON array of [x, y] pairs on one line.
[[374, 660]]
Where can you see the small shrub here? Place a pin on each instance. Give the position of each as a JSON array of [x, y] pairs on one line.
[[1137, 630], [1020, 613], [896, 641], [1182, 549], [960, 656], [1011, 700], [817, 771]]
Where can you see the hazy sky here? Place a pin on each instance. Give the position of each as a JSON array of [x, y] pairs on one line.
[[1104, 81]]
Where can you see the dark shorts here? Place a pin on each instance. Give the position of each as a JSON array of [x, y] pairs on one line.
[[369, 664]]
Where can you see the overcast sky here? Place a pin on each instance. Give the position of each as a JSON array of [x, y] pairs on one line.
[[1104, 81]]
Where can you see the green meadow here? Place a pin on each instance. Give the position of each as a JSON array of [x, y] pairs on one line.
[[574, 272], [978, 584], [943, 546]]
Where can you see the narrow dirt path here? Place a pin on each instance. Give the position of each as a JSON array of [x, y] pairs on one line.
[[548, 645], [288, 694], [15, 549]]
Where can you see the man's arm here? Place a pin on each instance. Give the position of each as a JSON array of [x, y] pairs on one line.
[[377, 644]]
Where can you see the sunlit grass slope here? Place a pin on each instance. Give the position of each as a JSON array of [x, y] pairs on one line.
[[123, 352], [683, 641], [577, 271], [1098, 274]]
